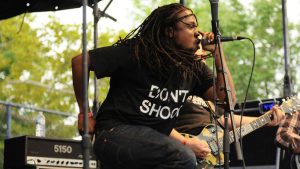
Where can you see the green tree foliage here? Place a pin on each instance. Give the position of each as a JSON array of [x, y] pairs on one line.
[[264, 26], [35, 70]]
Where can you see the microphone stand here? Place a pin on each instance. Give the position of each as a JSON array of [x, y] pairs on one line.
[[229, 107], [86, 142], [86, 138], [287, 88]]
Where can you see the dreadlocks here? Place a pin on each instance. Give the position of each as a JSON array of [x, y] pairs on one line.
[[153, 48]]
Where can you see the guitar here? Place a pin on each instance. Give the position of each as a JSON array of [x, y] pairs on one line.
[[208, 134]]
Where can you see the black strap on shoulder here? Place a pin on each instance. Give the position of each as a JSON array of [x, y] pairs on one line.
[[213, 115]]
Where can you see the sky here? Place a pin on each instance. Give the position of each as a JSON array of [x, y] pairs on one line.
[[120, 10]]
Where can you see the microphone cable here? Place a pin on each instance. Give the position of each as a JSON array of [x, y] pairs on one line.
[[244, 102]]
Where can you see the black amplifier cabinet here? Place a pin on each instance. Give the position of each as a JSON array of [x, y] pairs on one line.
[[38, 152]]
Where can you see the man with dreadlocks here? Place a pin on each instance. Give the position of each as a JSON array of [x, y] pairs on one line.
[[152, 72]]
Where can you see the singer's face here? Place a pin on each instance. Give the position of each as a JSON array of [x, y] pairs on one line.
[[186, 31]]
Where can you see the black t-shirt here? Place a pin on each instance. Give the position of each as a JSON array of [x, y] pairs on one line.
[[138, 98]]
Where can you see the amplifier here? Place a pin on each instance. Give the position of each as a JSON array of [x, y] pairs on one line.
[[40, 151]]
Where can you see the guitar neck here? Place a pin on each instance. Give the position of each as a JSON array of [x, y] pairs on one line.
[[254, 125]]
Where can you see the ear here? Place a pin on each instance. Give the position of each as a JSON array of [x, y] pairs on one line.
[[169, 32]]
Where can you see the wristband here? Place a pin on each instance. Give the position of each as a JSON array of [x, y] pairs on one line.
[[81, 115]]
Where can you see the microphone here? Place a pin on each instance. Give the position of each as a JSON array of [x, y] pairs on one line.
[[223, 39], [214, 16]]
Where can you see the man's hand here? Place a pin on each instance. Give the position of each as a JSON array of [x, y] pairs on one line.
[[91, 122], [278, 115], [210, 37], [200, 148]]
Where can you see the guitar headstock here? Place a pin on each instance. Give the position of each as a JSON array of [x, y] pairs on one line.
[[291, 105]]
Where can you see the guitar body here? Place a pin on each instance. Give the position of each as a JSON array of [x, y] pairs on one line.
[[213, 134], [209, 134]]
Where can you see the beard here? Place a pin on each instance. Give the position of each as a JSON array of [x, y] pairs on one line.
[[189, 50]]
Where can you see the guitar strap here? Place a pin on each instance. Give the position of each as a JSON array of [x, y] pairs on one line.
[[213, 115]]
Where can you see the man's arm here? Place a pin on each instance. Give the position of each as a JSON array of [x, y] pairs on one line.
[[220, 85], [288, 132], [77, 75], [237, 119], [200, 148], [278, 115]]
